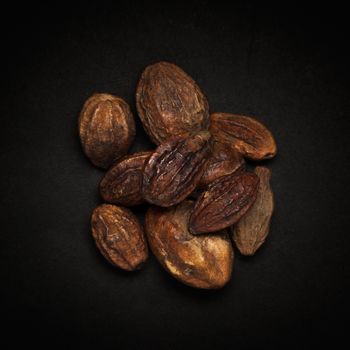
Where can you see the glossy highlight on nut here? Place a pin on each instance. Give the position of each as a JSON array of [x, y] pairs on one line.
[[106, 129], [119, 236], [170, 103], [203, 261]]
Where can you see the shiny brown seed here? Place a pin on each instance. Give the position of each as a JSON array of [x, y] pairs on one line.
[[224, 161], [224, 203], [199, 261], [123, 181], [170, 103], [119, 236], [252, 229], [106, 129], [251, 138], [175, 168]]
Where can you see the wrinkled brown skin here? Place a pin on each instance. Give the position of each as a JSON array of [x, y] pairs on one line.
[[175, 168], [170, 103], [247, 135], [199, 261], [252, 229], [119, 236], [106, 129], [226, 200], [123, 181], [223, 161]]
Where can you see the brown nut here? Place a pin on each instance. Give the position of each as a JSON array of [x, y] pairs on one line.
[[119, 236], [199, 261], [224, 161], [123, 181], [106, 129], [250, 232], [170, 103], [224, 203], [251, 138], [175, 168]]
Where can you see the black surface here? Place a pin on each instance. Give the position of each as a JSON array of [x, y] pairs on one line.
[[288, 66]]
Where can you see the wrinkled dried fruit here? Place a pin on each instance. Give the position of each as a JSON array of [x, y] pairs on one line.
[[251, 138], [175, 168], [119, 236], [170, 103], [106, 129], [252, 229], [223, 161], [123, 181], [199, 261], [224, 203]]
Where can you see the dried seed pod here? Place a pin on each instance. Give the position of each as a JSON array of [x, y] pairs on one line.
[[226, 200], [203, 261], [252, 229], [175, 168], [224, 161], [119, 236], [123, 181], [251, 138], [170, 103], [106, 129]]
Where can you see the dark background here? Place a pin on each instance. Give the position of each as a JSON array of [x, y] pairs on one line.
[[287, 65]]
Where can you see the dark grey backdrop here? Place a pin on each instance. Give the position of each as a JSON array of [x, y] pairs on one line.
[[287, 65]]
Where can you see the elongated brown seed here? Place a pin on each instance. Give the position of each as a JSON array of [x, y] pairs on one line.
[[170, 103], [119, 236], [106, 129], [224, 203], [199, 261], [247, 135], [122, 183], [250, 232], [175, 168]]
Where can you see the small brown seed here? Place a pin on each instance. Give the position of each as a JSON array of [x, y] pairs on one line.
[[251, 138], [119, 236], [199, 261], [170, 103], [224, 161], [106, 129], [123, 181], [224, 203], [252, 229], [175, 168]]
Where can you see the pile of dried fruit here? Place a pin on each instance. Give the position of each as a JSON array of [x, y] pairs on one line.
[[196, 181]]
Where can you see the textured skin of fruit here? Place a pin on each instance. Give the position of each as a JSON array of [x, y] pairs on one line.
[[119, 236], [203, 261], [170, 103], [106, 129], [247, 135], [224, 202]]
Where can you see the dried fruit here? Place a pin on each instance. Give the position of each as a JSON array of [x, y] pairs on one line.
[[199, 261], [224, 203], [119, 236], [175, 168], [252, 229], [170, 103], [223, 161], [251, 138], [123, 181], [106, 129]]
